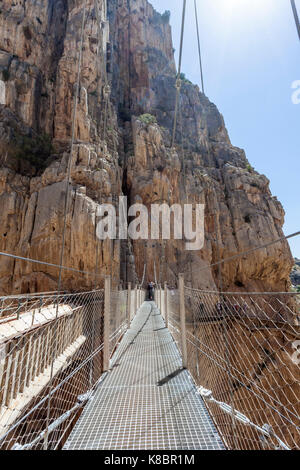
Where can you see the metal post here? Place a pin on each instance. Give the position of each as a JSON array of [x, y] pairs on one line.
[[107, 289], [182, 320], [129, 304], [166, 305], [160, 298]]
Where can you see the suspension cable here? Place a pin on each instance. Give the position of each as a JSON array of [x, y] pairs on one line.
[[177, 99], [247, 252], [294, 8], [155, 278], [199, 46], [178, 80], [68, 183], [101, 186], [46, 263], [144, 272], [68, 178]]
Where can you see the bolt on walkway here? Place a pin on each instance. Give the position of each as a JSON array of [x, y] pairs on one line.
[[146, 401]]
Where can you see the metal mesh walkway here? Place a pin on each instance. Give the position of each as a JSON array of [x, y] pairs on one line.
[[146, 401]]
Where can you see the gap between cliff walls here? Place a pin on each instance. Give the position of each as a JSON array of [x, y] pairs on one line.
[[58, 12]]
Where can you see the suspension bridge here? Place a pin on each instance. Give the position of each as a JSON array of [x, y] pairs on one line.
[[110, 369]]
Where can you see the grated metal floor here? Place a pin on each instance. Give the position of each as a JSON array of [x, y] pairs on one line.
[[147, 401]]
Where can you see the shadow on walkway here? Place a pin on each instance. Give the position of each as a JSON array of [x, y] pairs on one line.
[[170, 377]]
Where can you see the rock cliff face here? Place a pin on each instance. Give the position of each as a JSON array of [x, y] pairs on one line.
[[117, 152], [295, 274]]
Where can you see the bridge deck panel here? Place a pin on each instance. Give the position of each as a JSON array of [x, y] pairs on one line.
[[147, 401]]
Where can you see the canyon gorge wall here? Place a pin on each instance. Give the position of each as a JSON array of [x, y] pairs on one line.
[[118, 150]]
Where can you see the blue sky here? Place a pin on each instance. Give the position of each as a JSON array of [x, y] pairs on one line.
[[251, 57]]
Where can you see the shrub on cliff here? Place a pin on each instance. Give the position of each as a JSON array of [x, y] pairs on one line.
[[166, 16], [250, 168], [34, 150], [147, 119], [5, 75]]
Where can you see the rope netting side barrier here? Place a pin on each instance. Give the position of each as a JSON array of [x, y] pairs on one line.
[[33, 343], [242, 350], [118, 317], [52, 357]]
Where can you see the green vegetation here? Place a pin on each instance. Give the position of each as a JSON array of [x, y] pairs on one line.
[[148, 119], [5, 75], [183, 78], [34, 150], [166, 16]]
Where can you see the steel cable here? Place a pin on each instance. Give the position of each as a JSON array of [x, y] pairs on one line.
[[199, 46], [178, 80]]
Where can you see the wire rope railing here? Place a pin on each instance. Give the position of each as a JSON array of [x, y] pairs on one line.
[[251, 384]]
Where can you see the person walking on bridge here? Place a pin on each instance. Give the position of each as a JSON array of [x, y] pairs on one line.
[[151, 291]]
